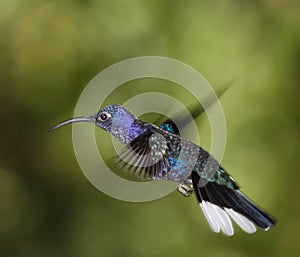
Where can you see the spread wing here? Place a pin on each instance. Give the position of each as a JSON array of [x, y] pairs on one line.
[[147, 156]]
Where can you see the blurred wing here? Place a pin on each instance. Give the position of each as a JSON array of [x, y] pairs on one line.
[[195, 109]]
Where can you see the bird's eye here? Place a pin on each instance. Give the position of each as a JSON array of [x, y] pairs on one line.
[[103, 116]]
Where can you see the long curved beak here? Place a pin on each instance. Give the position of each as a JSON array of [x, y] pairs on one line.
[[90, 119]]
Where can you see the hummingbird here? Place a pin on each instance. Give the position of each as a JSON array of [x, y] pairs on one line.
[[159, 152]]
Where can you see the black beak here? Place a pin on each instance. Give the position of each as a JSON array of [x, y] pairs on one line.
[[90, 119]]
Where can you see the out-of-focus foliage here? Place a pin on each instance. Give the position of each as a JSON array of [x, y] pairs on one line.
[[49, 50]]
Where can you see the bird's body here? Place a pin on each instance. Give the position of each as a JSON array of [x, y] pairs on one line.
[[177, 157], [154, 152]]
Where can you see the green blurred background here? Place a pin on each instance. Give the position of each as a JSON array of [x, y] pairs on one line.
[[49, 50]]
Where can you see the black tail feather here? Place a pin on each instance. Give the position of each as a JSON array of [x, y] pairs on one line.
[[225, 197]]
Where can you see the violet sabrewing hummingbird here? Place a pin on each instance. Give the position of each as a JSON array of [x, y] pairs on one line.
[[154, 152]]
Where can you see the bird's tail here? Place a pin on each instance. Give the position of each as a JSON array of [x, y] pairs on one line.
[[220, 204]]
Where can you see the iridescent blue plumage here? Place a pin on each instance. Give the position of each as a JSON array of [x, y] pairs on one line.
[[154, 152]]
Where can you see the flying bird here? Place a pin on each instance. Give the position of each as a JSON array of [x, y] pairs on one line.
[[159, 152]]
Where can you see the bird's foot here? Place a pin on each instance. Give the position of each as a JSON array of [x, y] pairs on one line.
[[185, 189]]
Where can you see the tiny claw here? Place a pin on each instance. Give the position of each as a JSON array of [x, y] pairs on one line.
[[185, 189]]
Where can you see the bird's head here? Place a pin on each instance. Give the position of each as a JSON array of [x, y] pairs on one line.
[[115, 119]]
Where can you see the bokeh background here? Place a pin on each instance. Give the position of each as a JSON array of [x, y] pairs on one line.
[[50, 50]]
